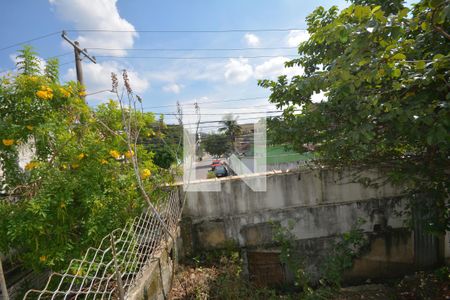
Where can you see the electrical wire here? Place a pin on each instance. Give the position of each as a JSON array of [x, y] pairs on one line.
[[218, 121], [190, 31], [191, 49], [218, 114], [30, 40], [192, 57], [209, 102]]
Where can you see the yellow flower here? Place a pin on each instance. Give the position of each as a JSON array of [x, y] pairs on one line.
[[75, 166], [82, 93], [64, 92], [103, 161], [145, 173], [8, 142], [114, 154], [129, 154], [43, 258], [42, 94], [81, 156], [64, 166], [45, 93], [62, 205], [31, 165], [29, 127]]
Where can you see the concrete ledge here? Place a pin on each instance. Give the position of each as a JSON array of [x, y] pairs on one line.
[[155, 281]]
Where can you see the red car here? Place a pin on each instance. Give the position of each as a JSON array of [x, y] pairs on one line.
[[215, 163]]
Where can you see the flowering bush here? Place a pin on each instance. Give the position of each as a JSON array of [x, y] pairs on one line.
[[80, 183]]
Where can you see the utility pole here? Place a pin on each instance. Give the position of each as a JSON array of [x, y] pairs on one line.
[[78, 51]]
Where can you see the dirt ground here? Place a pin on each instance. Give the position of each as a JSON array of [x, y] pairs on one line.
[[225, 281]]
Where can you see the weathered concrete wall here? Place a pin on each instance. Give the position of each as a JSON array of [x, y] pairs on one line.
[[156, 280], [322, 204]]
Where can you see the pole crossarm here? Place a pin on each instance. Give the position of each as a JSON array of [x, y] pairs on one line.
[[76, 46]]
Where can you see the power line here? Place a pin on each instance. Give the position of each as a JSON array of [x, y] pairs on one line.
[[240, 108], [59, 55], [191, 49], [189, 31], [30, 40], [219, 114], [235, 108], [210, 122], [98, 92], [192, 57], [209, 102]]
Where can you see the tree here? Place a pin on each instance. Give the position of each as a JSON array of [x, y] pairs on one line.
[[165, 140], [231, 128], [216, 144], [80, 184], [385, 79]]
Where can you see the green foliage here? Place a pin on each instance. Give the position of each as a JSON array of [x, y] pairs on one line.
[[231, 128], [350, 246], [164, 157], [80, 183], [443, 273], [384, 71], [216, 144], [388, 6], [52, 70], [344, 251], [165, 141], [284, 237], [28, 62]]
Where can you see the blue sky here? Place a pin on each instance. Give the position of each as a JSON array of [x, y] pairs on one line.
[[162, 82]]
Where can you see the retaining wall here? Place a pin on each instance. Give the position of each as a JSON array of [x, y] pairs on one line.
[[321, 205]]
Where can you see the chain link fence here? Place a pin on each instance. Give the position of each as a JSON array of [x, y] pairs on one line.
[[112, 269]]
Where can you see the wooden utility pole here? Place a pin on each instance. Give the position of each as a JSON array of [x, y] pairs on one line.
[[78, 51]]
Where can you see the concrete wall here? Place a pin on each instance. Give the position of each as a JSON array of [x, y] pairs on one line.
[[156, 280], [322, 204]]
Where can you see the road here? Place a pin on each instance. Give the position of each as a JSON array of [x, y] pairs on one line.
[[202, 168]]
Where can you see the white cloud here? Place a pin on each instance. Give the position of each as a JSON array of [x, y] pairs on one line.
[[97, 77], [172, 88], [209, 71], [99, 14], [319, 97], [238, 70], [295, 37], [252, 40], [234, 71], [274, 67]]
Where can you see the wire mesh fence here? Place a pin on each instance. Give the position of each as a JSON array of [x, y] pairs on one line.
[[111, 270]]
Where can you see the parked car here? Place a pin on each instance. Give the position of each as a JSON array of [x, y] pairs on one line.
[[220, 171], [215, 163]]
